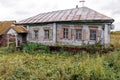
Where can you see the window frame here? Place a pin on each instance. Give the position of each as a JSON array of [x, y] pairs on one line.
[[46, 35], [93, 34], [65, 33], [78, 34], [36, 32]]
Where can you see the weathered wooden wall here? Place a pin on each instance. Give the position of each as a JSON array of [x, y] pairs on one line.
[[31, 36], [56, 35], [85, 34]]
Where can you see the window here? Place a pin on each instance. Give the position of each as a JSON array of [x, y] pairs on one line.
[[65, 31], [36, 34], [93, 34], [46, 34], [78, 34]]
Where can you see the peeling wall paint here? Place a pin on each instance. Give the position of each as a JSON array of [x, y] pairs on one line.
[[56, 34]]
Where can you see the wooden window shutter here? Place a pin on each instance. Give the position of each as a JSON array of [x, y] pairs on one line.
[[69, 33], [84, 35], [72, 34], [61, 33], [98, 35], [51, 34]]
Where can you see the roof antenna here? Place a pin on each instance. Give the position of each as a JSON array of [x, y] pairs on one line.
[[83, 2]]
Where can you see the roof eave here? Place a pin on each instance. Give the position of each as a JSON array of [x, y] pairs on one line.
[[21, 32], [80, 21]]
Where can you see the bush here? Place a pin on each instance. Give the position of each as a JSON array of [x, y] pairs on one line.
[[32, 47]]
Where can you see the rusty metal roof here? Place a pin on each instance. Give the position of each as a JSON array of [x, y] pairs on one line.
[[75, 14], [5, 25], [20, 29]]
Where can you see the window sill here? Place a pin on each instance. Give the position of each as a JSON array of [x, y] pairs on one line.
[[78, 39], [92, 40], [46, 39], [65, 38]]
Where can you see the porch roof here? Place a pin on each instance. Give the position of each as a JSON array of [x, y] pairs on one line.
[[20, 29], [5, 25]]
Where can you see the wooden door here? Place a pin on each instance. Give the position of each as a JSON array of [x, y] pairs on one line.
[[24, 38]]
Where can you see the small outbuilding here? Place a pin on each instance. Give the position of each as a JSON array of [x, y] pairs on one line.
[[9, 33]]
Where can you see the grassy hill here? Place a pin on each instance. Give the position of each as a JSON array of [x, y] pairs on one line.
[[60, 66]]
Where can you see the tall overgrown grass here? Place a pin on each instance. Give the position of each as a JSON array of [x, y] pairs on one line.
[[115, 40], [57, 66]]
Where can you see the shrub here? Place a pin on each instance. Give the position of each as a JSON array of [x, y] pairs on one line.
[[32, 47]]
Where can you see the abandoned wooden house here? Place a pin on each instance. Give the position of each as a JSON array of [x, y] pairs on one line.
[[75, 26], [9, 33]]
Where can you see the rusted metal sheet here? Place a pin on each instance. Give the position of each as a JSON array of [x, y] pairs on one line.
[[78, 14], [66, 15], [85, 14], [58, 18], [36, 18], [75, 14], [41, 16], [5, 26], [19, 29], [91, 15], [44, 17], [72, 14], [54, 16]]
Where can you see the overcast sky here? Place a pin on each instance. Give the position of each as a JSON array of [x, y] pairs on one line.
[[21, 9]]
